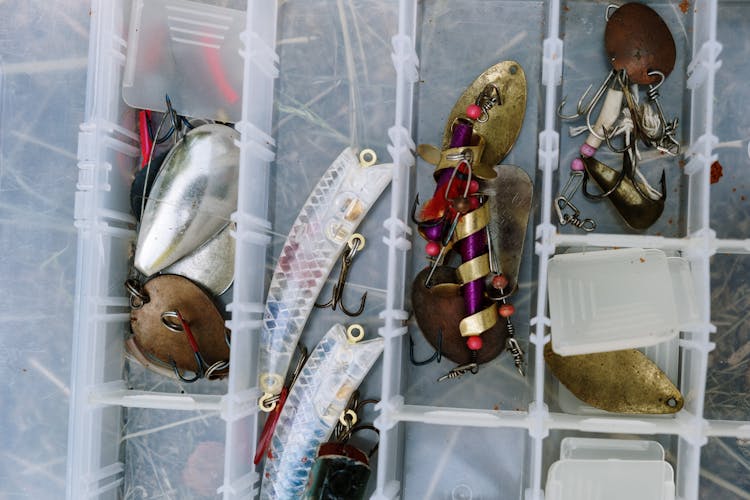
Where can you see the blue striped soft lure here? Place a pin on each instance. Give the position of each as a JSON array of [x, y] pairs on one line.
[[331, 374]]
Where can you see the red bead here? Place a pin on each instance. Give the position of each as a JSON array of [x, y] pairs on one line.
[[474, 202], [473, 111], [432, 248], [499, 281], [473, 186], [506, 310], [474, 342]]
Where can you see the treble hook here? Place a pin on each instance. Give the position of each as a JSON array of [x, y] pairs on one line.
[[437, 355], [355, 244], [588, 108], [183, 327]]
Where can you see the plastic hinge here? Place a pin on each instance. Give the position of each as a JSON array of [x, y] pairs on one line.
[[385, 420], [251, 229], [540, 320], [237, 325], [702, 244], [549, 150], [241, 487], [693, 429], [545, 232], [545, 322], [545, 244], [538, 417], [111, 470], [393, 315], [261, 151], [552, 61], [405, 58], [246, 307], [119, 46], [94, 224], [96, 391], [260, 53], [694, 345], [246, 128], [93, 135], [389, 492], [391, 333], [700, 153], [704, 63], [240, 405], [397, 240], [402, 146]]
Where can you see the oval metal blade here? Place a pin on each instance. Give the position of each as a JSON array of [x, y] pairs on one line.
[[618, 381], [510, 197], [192, 198], [501, 131], [211, 265]]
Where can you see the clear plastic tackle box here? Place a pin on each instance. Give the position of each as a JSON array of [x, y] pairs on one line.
[[318, 76]]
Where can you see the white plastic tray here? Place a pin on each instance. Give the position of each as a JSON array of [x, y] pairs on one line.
[[384, 74]]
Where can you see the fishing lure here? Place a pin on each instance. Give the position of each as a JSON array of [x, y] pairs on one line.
[[331, 214], [341, 471], [211, 265], [623, 381], [641, 51], [466, 214], [320, 394], [176, 327], [192, 197]]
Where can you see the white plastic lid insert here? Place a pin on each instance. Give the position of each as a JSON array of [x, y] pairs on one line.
[[610, 469], [610, 299]]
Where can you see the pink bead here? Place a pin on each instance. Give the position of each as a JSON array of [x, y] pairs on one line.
[[499, 282], [432, 249], [587, 150], [473, 186], [474, 202], [474, 342], [506, 310], [473, 111], [576, 165]]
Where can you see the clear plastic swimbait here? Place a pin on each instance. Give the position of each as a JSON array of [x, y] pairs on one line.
[[331, 214], [331, 374]]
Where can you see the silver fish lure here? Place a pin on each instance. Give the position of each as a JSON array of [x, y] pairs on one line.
[[211, 265], [192, 198], [331, 214], [331, 374]]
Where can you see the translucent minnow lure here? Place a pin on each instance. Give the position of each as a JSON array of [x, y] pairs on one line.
[[331, 214], [318, 397]]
